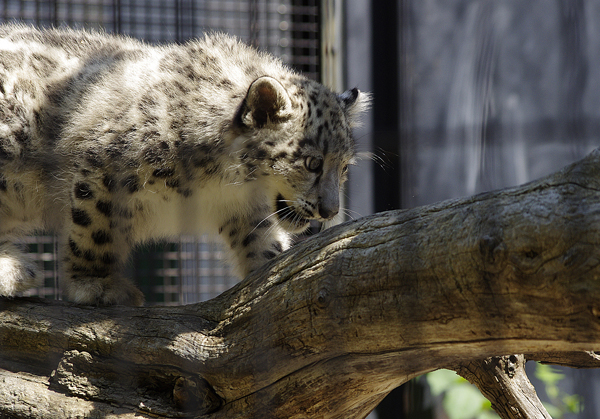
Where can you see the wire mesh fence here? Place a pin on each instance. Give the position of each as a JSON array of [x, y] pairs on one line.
[[191, 269]]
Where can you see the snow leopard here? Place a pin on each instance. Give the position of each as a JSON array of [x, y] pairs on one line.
[[109, 142]]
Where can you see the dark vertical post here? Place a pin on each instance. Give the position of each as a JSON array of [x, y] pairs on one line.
[[386, 127], [117, 16], [386, 82]]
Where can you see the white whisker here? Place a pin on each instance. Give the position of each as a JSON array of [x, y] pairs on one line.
[[265, 219]]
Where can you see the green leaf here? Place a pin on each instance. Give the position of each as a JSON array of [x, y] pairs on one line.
[[553, 411], [463, 401], [573, 402], [547, 374], [442, 380]]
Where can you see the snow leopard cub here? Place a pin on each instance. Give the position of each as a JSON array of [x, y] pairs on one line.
[[110, 142]]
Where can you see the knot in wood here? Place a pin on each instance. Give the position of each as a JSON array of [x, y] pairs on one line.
[[511, 363], [323, 298]]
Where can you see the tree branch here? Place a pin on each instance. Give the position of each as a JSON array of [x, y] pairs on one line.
[[331, 326], [504, 382]]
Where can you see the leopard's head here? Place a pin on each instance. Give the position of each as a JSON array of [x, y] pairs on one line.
[[301, 139]]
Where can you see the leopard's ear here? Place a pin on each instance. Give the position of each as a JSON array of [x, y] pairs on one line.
[[266, 103], [354, 102]]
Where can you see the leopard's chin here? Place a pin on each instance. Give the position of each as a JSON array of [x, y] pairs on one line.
[[289, 218]]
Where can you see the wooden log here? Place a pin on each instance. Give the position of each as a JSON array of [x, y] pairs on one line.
[[331, 326]]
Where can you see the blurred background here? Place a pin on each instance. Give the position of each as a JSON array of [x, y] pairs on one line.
[[469, 95]]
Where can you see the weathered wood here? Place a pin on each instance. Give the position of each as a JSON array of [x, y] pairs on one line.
[[504, 382], [331, 326]]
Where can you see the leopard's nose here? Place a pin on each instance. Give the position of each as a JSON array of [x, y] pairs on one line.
[[328, 213]]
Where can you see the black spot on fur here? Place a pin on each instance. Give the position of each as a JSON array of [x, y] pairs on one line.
[[226, 83], [108, 258], [80, 217], [109, 183], [132, 183], [3, 183], [114, 152], [249, 239], [74, 248], [320, 131], [306, 142], [153, 156], [101, 237], [181, 87], [79, 253], [104, 207], [21, 136], [172, 183], [251, 255], [277, 246], [83, 191], [4, 153], [94, 159], [269, 254], [164, 172], [281, 156], [147, 102], [185, 192], [261, 154]]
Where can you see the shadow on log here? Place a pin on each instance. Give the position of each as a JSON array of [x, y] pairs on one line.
[[330, 327]]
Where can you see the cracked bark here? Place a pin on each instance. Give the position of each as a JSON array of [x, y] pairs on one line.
[[330, 327]]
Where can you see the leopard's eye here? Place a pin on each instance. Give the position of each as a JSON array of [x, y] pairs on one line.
[[313, 164]]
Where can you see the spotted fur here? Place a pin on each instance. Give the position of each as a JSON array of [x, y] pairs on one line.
[[110, 142]]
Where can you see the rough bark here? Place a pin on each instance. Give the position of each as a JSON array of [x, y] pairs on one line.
[[331, 326], [504, 382]]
